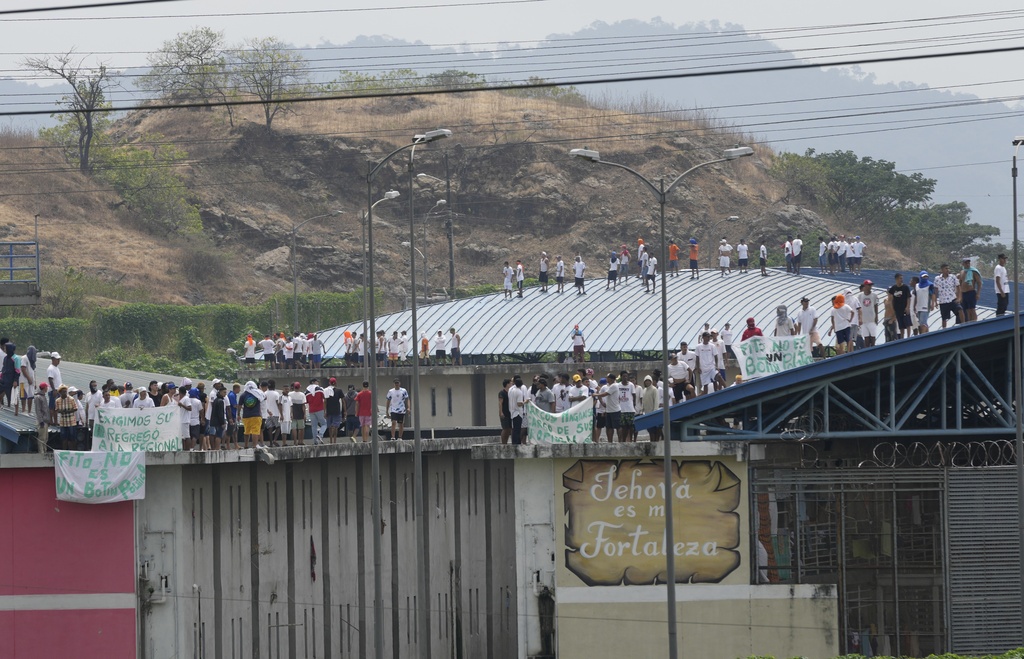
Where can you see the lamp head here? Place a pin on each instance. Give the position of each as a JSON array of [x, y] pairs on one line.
[[392, 194], [432, 135], [441, 202], [337, 212], [733, 218], [737, 152], [586, 154], [1017, 141]]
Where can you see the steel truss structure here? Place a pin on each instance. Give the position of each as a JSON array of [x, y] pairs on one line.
[[956, 382]]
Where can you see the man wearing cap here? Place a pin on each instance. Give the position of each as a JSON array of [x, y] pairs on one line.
[[899, 299], [750, 330], [334, 408], [144, 401], [398, 407], [807, 324], [649, 403], [724, 253], [924, 301], [128, 396], [868, 313], [54, 379], [1002, 285], [842, 319], [66, 410], [679, 373]]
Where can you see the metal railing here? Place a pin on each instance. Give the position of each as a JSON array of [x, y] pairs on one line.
[[20, 262]]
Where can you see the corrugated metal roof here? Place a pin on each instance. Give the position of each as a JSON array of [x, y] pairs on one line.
[[622, 320], [79, 375]]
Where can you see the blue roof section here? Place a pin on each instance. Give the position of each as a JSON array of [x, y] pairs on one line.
[[622, 320], [880, 355]]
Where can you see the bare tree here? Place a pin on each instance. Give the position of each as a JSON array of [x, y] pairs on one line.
[[268, 70], [87, 97], [191, 67]]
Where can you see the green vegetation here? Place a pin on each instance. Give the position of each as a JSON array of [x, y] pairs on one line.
[[870, 195], [400, 80], [169, 338]]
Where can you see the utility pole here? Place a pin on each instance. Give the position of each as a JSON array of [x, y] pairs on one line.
[[450, 226]]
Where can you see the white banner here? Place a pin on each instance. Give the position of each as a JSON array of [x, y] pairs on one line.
[[152, 429], [99, 476], [763, 355], [573, 426]]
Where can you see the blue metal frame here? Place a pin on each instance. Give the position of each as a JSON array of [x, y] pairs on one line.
[[956, 381]]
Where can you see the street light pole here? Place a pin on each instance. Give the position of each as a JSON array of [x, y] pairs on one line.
[[375, 501], [1018, 395], [295, 272], [449, 224], [390, 194], [661, 192]]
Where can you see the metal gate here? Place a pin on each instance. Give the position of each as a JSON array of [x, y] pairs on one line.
[[984, 560]]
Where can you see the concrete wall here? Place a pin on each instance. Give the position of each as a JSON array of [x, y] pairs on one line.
[[244, 534]]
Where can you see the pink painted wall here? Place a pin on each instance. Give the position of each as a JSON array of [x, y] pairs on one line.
[[52, 547]]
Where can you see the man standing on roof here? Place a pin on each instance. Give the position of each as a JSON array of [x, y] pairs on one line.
[[403, 347], [1002, 285], [868, 313], [398, 407], [856, 254], [844, 253], [579, 269], [947, 291], [784, 325], [694, 259], [822, 255], [652, 267], [613, 271], [970, 288], [743, 255], [542, 272], [517, 400], [924, 301], [520, 277], [724, 252], [507, 273], [673, 258], [641, 251], [456, 347], [623, 263], [807, 324], [842, 318], [787, 247], [440, 349], [798, 253], [579, 345], [899, 300], [762, 258], [707, 363], [560, 274]]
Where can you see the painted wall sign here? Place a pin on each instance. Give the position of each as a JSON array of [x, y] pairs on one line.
[[615, 521], [772, 354], [153, 429], [99, 476]]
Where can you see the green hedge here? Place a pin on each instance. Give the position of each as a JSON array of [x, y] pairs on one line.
[[71, 335]]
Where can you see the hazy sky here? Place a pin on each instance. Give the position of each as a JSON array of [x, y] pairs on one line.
[[461, 22]]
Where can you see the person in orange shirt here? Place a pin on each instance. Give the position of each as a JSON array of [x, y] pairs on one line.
[[694, 263], [673, 258], [424, 348]]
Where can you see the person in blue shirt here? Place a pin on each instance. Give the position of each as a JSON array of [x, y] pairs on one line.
[[232, 431]]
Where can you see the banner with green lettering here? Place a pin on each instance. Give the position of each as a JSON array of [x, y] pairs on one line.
[[764, 355], [573, 426], [100, 476], [152, 429]]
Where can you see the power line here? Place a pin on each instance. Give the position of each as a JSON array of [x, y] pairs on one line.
[[91, 5]]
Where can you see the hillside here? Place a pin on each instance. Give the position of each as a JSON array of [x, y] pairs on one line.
[[515, 192]]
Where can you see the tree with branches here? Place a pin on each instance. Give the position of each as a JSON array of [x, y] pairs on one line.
[[190, 68], [270, 71], [86, 101]]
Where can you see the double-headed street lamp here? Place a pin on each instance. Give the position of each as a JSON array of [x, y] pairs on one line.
[[661, 192], [423, 599], [295, 272], [389, 195], [449, 224]]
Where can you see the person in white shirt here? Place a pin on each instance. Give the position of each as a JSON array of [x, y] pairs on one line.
[[393, 347], [787, 247], [455, 347], [267, 346], [807, 323], [707, 363], [924, 301], [762, 258], [679, 373], [249, 354], [579, 268], [144, 400], [289, 354], [274, 413], [868, 313], [520, 277], [642, 259], [727, 337], [743, 253], [403, 347], [507, 273], [1002, 285], [517, 408], [854, 303], [561, 393], [652, 269], [798, 252], [842, 318], [613, 408], [833, 255], [822, 256], [627, 404], [843, 252], [724, 254], [440, 349], [856, 256], [542, 272], [54, 379], [719, 345], [560, 274], [784, 325], [398, 407]]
